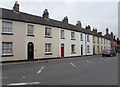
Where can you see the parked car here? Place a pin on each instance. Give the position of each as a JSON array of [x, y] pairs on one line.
[[108, 53]]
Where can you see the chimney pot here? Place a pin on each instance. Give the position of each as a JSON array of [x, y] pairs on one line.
[[65, 20], [95, 30], [89, 27], [107, 31], [111, 34], [16, 7], [79, 24], [45, 14]]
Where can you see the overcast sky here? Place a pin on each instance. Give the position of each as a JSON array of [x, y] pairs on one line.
[[100, 15]]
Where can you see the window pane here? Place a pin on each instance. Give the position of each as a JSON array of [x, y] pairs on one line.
[[72, 35], [6, 26], [62, 33], [47, 47], [7, 48], [47, 31], [30, 30]]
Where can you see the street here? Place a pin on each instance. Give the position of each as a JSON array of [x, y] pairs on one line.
[[88, 70]]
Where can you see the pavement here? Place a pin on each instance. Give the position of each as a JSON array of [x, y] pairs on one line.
[[89, 70]]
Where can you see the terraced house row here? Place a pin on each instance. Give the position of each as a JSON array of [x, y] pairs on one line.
[[28, 37]]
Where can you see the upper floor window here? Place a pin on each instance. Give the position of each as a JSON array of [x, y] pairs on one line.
[[62, 34], [73, 49], [101, 41], [47, 32], [88, 38], [72, 35], [93, 39], [98, 39], [81, 37], [30, 30], [6, 27], [104, 41], [6, 48]]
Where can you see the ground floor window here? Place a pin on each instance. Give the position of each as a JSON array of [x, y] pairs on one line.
[[98, 49], [88, 49], [6, 47], [101, 48], [73, 49], [48, 48]]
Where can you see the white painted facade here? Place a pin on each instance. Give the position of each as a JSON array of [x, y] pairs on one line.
[[21, 41]]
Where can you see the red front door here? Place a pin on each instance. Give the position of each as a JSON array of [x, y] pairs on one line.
[[62, 50]]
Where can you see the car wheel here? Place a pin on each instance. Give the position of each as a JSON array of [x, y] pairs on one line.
[[103, 55]]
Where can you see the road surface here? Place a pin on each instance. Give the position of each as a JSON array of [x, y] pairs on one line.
[[89, 70]]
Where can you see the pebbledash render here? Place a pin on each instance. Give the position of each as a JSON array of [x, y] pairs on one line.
[[28, 37]]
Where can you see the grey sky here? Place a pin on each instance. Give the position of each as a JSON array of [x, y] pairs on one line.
[[99, 15]]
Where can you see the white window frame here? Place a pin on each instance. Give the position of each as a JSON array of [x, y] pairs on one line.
[[73, 35], [88, 38], [81, 37], [48, 32], [101, 41], [97, 39], [73, 49], [88, 48], [7, 27], [48, 48], [30, 29], [93, 39], [62, 34], [104, 40], [7, 48]]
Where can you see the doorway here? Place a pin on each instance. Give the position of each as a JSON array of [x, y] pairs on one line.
[[30, 51], [81, 49], [62, 50]]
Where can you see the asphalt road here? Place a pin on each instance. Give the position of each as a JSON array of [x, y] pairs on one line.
[[90, 70]]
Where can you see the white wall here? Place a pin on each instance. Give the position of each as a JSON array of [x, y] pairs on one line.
[[67, 43], [39, 41], [82, 43], [18, 39], [90, 44], [0, 39]]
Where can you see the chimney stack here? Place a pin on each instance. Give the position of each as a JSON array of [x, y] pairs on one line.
[[100, 33], [88, 27], [45, 14], [78, 24], [112, 34], [16, 7], [107, 31], [114, 37], [65, 20], [95, 30]]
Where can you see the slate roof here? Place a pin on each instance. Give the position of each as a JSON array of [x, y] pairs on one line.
[[25, 17]]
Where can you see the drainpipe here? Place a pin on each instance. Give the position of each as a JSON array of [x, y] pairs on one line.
[[85, 45]]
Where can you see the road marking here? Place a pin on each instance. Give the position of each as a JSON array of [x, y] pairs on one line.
[[39, 71], [101, 59], [23, 77], [72, 64], [88, 61], [108, 58], [3, 77], [30, 83]]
